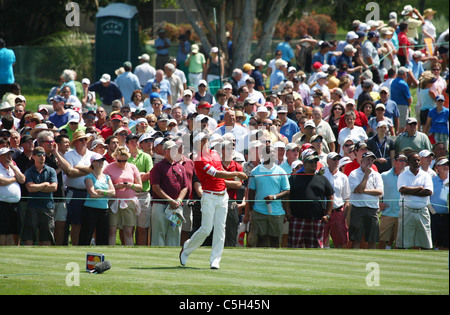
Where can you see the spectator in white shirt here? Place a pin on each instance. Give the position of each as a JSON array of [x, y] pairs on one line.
[[366, 186], [416, 187]]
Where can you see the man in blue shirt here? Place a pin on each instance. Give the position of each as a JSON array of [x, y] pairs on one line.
[[401, 95], [7, 60], [162, 45], [286, 49], [347, 58], [320, 55], [257, 75], [128, 82], [439, 201], [41, 182], [108, 91], [390, 206], [278, 75], [416, 65], [60, 116], [267, 217], [164, 89], [391, 109], [288, 127]]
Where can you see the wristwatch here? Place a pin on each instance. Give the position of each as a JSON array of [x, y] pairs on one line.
[[274, 197]]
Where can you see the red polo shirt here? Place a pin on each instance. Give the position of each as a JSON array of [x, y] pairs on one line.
[[206, 165], [233, 167], [404, 42], [361, 120], [354, 165]]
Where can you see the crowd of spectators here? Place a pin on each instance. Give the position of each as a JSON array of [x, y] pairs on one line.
[[324, 131]]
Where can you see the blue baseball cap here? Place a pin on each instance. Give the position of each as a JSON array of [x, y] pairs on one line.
[[154, 95], [372, 34], [440, 98], [58, 98]]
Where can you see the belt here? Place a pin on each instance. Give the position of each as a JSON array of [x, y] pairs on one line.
[[415, 209], [338, 209], [215, 193]]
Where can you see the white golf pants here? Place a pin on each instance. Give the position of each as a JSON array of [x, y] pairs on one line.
[[214, 214]]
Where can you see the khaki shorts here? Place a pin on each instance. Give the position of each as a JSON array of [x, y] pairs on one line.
[[143, 219], [388, 228], [123, 217], [265, 225]]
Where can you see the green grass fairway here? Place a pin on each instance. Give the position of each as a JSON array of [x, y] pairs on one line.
[[150, 270]]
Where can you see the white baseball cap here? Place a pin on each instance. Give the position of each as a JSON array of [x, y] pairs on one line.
[[258, 62], [5, 150], [97, 157], [105, 78], [425, 153], [200, 136], [145, 57]]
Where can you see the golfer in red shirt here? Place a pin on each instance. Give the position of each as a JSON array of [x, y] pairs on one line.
[[214, 202]]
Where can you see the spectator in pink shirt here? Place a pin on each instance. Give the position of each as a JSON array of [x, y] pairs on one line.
[[127, 181]]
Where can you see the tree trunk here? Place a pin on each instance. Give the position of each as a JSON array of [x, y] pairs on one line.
[[243, 40], [265, 40], [198, 30]]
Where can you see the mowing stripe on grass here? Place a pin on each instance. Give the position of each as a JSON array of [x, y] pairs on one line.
[[248, 271]]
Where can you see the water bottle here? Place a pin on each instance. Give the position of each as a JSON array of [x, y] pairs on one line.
[[269, 208]]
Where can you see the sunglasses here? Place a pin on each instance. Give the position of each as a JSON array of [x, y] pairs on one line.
[[40, 154], [121, 161]]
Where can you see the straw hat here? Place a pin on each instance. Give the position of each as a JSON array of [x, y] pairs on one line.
[[79, 135], [428, 12]]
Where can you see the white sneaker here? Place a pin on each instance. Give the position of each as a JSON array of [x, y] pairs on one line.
[[215, 264], [183, 257]]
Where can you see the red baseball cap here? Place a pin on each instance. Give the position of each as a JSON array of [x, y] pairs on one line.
[[116, 116], [204, 105], [317, 65], [269, 104], [306, 146]]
